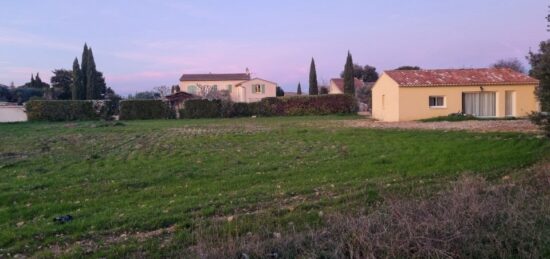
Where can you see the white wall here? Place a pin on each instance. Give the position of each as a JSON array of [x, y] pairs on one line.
[[12, 114]]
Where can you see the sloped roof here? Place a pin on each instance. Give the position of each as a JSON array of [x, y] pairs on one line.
[[339, 82], [459, 77], [215, 77]]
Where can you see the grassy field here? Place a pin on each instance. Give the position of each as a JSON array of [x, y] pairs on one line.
[[154, 188]]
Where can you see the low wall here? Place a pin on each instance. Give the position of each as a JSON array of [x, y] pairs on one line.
[[12, 113]]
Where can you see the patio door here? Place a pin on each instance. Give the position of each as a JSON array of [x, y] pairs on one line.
[[480, 104], [509, 103]]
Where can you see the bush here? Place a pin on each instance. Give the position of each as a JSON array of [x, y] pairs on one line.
[[309, 105], [39, 110], [543, 120], [145, 110], [199, 108]]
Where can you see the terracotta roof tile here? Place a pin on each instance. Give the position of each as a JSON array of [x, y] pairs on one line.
[[215, 77], [457, 77]]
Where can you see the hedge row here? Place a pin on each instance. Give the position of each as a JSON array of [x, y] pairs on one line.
[[41, 110], [145, 110], [272, 106], [309, 105]]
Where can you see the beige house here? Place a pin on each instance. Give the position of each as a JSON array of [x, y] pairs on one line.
[[404, 95], [240, 87], [337, 85]]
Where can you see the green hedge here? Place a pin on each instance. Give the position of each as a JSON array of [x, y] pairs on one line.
[[41, 110], [272, 106], [197, 108], [145, 110], [309, 105]]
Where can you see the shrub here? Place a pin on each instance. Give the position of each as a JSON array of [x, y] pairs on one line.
[[543, 120], [145, 110], [309, 105], [40, 110], [199, 108]]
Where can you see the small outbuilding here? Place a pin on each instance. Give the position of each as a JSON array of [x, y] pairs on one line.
[[404, 95]]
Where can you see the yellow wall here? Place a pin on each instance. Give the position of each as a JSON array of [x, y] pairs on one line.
[[246, 94], [414, 101], [387, 89], [333, 89]]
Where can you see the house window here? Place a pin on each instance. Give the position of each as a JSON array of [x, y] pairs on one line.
[[229, 88], [192, 89], [437, 102], [258, 89]]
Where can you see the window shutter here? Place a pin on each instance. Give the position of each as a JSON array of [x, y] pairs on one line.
[[191, 89], [252, 88], [263, 89], [214, 88], [229, 88]]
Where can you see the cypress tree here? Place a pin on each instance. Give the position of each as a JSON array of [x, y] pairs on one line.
[[299, 90], [32, 81], [349, 84], [91, 76], [78, 92], [37, 81], [313, 87], [84, 69]]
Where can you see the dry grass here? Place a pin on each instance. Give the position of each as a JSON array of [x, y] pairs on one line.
[[472, 218]]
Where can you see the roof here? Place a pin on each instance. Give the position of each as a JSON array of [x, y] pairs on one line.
[[256, 78], [215, 77], [339, 82], [460, 77], [179, 96]]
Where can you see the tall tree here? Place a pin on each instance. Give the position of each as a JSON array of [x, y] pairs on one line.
[[84, 69], [101, 86], [61, 82], [91, 76], [77, 87], [540, 69], [349, 82], [511, 63], [299, 89], [366, 73], [313, 86]]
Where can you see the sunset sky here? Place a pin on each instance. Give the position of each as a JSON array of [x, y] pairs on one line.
[[142, 44]]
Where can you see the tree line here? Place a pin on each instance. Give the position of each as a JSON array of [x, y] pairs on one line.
[[83, 82]]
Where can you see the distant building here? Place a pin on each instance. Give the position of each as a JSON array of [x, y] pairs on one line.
[[240, 87], [337, 85]]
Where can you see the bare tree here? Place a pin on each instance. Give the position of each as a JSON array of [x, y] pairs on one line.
[[511, 63], [162, 90]]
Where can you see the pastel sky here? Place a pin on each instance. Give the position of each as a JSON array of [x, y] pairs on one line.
[[141, 44]]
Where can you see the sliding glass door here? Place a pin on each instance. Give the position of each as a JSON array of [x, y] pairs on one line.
[[480, 104]]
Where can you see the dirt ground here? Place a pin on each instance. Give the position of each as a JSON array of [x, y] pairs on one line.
[[524, 126]]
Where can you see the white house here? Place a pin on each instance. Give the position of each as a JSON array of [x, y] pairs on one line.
[[241, 87]]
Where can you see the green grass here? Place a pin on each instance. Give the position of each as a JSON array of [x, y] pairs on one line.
[[146, 175]]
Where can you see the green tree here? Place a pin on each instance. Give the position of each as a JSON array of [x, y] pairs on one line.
[[349, 82], [77, 87], [511, 63], [84, 69], [299, 89], [540, 69], [61, 82], [279, 91], [408, 68], [91, 76], [313, 86], [366, 74]]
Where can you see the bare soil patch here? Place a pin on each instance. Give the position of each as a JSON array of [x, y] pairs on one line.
[[523, 126]]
